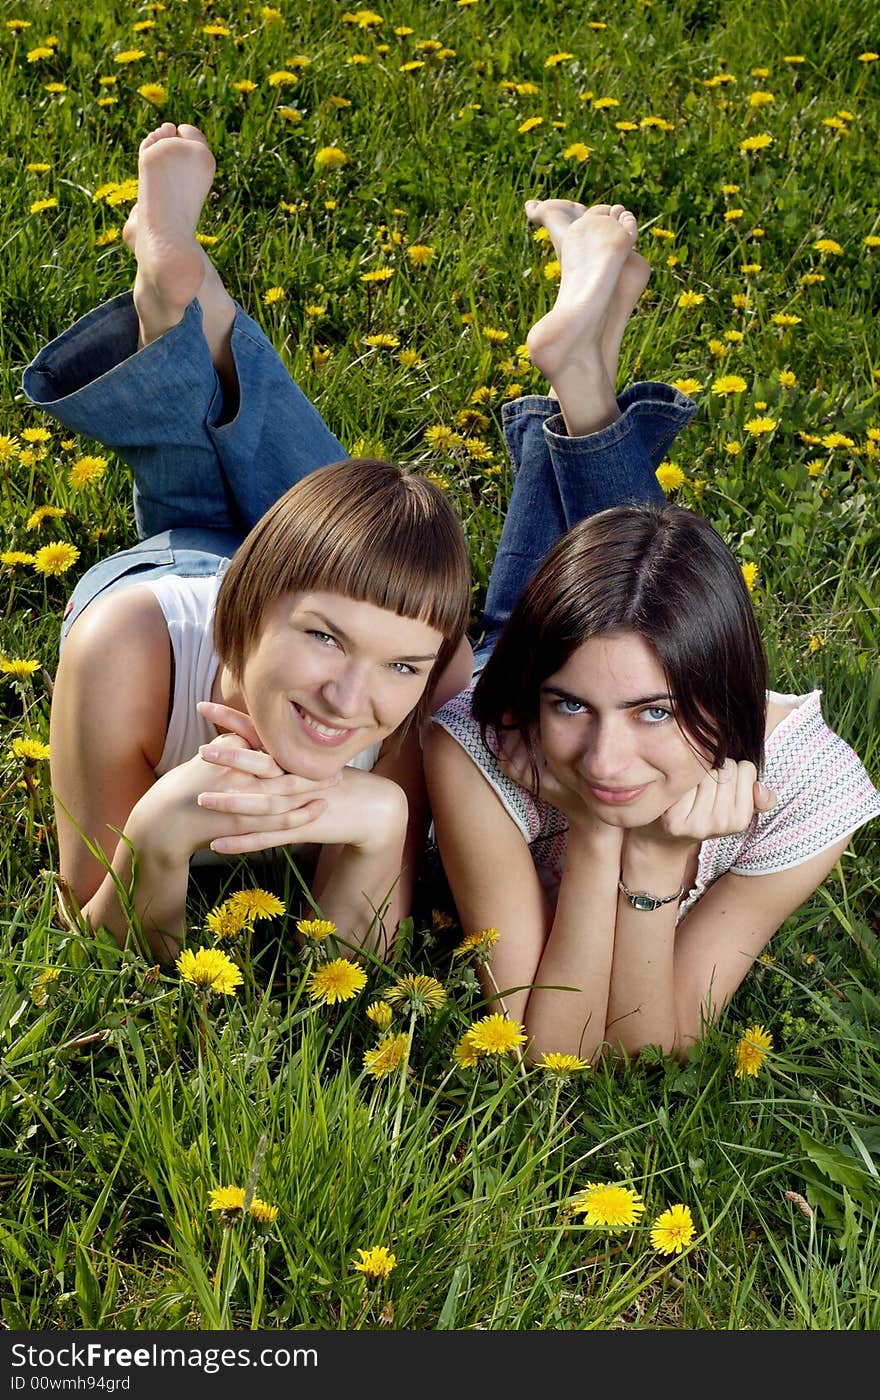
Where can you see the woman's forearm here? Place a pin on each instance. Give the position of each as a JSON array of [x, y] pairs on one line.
[[641, 1004], [358, 886], [567, 1009], [147, 885]]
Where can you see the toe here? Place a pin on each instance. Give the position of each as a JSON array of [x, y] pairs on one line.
[[191, 133]]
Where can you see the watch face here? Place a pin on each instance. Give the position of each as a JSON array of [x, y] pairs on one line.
[[645, 902]]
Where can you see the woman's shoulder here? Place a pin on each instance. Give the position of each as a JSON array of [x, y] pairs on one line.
[[459, 721], [823, 791]]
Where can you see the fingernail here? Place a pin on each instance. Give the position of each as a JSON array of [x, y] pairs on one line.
[[207, 752]]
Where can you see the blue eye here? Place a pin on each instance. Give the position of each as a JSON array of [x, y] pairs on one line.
[[403, 668], [567, 706], [655, 714], [323, 637]]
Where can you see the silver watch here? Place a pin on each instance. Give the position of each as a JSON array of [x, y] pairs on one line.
[[640, 899]]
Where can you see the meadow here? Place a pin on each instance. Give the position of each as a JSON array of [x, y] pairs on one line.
[[269, 1156]]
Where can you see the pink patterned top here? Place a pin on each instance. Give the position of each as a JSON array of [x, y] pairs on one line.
[[823, 792]]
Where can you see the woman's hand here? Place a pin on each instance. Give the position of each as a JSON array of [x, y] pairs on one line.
[[721, 804], [272, 808], [514, 761], [171, 822]]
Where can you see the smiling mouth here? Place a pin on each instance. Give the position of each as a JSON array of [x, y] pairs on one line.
[[616, 796], [323, 733]]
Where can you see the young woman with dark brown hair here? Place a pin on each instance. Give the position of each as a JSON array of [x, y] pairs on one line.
[[620, 796]]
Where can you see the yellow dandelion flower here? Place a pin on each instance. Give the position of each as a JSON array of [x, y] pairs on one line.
[[19, 667], [760, 98], [363, 19], [466, 1054], [245, 85], [412, 65], [36, 435], [478, 942], [759, 142], [381, 341], [420, 254], [38, 167], [375, 1263], [273, 295], [380, 1013], [828, 245], [816, 642], [673, 1230], [269, 15], [8, 447], [868, 57], [44, 985], [226, 1198], [442, 439], [751, 1051], [123, 193], [556, 1063], [154, 92], [609, 1205], [417, 993], [688, 299], [784, 318], [497, 1035], [787, 379], [835, 124], [717, 349], [553, 270], [315, 929], [16, 24], [55, 88], [733, 448], [496, 336], [740, 300], [216, 31], [815, 466], [602, 104], [129, 56], [759, 426], [54, 559], [110, 235], [85, 471], [407, 358], [282, 77], [556, 58], [42, 513], [257, 903], [832, 440], [871, 240], [209, 970], [329, 156], [687, 385], [14, 558], [529, 125], [40, 205], [262, 1212], [732, 215], [30, 750], [478, 451], [577, 151], [734, 337], [336, 981], [750, 269], [228, 920], [40, 52], [750, 576], [387, 1056], [377, 274], [670, 476], [729, 384]]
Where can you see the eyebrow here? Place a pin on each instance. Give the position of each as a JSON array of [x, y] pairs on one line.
[[624, 705], [333, 627]]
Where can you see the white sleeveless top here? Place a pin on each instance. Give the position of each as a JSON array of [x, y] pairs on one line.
[[188, 608]]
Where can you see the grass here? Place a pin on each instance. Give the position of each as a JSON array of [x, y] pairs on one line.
[[124, 1099]]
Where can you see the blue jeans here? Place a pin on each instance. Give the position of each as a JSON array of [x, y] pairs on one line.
[[201, 482]]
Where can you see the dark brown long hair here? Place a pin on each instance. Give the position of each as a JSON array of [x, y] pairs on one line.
[[665, 574]]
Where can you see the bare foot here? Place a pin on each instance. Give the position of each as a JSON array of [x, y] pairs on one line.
[[175, 171], [567, 343], [556, 215]]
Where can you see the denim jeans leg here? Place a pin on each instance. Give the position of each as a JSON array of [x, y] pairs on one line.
[[277, 437], [162, 409], [560, 480], [617, 466], [149, 405]]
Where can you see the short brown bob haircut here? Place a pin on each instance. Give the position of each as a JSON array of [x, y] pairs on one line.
[[665, 574], [363, 528]]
